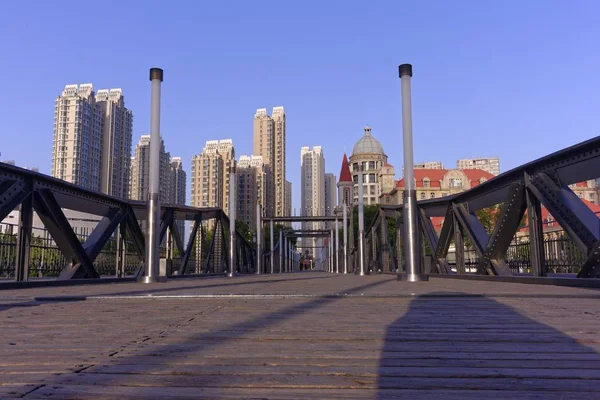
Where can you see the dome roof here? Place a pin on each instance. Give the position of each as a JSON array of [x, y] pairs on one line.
[[368, 144]]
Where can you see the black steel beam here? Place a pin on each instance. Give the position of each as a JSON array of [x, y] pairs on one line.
[[472, 227], [211, 248], [165, 222], [102, 233], [509, 218], [445, 238], [24, 238], [591, 267], [59, 228], [536, 233], [190, 247], [576, 218], [12, 193]]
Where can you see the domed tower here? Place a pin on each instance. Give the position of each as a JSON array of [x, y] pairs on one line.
[[369, 153]]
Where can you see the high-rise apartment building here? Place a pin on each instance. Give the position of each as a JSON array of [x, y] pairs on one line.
[[117, 125], [269, 142], [178, 193], [429, 165], [312, 189], [178, 179], [251, 177], [491, 164], [330, 193], [288, 198], [210, 174], [76, 149], [92, 139], [227, 152], [140, 172], [279, 161]]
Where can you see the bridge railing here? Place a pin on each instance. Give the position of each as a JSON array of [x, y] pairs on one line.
[[114, 242], [462, 244]]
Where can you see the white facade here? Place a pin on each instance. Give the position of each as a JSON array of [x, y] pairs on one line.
[[92, 139], [330, 193], [429, 165], [140, 172], [251, 189], [369, 154], [76, 150], [490, 164], [312, 164]]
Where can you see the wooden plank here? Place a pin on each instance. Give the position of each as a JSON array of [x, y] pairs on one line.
[[105, 393], [372, 344]]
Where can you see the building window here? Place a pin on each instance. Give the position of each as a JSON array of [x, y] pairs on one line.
[[371, 164], [355, 166], [426, 182], [422, 195], [432, 195], [455, 182]]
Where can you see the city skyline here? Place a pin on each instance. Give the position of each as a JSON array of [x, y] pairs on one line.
[[465, 103]]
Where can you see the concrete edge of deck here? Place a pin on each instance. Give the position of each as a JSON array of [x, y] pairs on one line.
[[75, 282], [532, 280]]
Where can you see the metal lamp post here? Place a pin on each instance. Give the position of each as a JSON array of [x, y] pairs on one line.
[[411, 238], [151, 273], [361, 222], [259, 260]]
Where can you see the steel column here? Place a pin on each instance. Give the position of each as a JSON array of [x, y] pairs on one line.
[[121, 249], [232, 200], [281, 251], [331, 263], [258, 239], [337, 246], [414, 269], [24, 238], [459, 247], [536, 234], [272, 247], [151, 273], [345, 218], [361, 222]]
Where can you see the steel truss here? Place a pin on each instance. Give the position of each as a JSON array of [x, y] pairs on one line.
[[523, 190], [31, 191]]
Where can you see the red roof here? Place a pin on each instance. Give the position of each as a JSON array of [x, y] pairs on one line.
[[435, 177], [475, 175], [345, 174], [549, 222]]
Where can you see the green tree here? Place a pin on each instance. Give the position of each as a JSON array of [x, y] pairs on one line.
[[370, 212], [276, 229], [242, 228]]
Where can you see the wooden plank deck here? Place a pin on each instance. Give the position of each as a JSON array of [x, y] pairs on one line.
[[306, 335]]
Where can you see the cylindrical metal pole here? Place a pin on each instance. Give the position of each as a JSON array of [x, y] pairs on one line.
[[272, 247], [345, 217], [291, 255], [331, 262], [337, 246], [151, 274], [232, 249], [281, 251], [258, 239], [361, 222], [411, 238]]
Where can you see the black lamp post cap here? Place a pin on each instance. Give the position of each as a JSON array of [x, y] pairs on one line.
[[156, 73], [405, 69]]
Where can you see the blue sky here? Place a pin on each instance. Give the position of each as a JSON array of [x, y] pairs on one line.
[[512, 79]]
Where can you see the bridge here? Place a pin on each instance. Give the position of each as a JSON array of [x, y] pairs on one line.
[[427, 300]]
